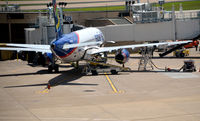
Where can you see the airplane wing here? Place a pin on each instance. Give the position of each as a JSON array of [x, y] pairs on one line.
[[109, 49], [46, 48], [41, 48], [26, 47], [67, 46]]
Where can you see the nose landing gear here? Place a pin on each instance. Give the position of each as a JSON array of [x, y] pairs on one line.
[[54, 67]]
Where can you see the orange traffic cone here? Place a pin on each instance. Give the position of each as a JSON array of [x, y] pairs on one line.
[[48, 86]]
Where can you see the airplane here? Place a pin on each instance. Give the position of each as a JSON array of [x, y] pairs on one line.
[[79, 45]]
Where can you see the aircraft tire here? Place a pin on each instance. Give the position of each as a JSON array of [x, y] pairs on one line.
[[56, 68], [182, 55], [94, 72], [114, 72], [50, 68]]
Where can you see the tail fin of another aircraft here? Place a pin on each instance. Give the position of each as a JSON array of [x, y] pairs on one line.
[[58, 24]]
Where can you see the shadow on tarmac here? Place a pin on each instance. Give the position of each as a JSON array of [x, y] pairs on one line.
[[25, 74], [60, 66], [65, 78], [168, 57]]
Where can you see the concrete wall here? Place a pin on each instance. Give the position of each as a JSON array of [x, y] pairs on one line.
[[118, 32], [81, 17], [153, 31], [185, 29], [97, 23], [31, 37], [188, 28], [138, 32]]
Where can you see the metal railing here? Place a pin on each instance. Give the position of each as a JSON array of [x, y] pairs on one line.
[[188, 15], [166, 16]]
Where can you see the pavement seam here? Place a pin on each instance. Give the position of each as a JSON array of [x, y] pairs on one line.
[[22, 106]]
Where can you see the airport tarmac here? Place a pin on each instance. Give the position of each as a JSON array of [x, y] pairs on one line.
[[128, 96]]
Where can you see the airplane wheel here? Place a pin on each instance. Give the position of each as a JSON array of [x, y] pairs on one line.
[[50, 68], [177, 54], [56, 68], [182, 55], [94, 72], [114, 72]]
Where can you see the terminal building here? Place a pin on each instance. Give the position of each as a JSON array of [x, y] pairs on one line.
[[135, 23]]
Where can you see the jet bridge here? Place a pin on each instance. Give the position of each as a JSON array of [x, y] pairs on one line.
[[175, 28]]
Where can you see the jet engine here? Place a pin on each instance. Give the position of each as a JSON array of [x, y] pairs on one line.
[[122, 56]]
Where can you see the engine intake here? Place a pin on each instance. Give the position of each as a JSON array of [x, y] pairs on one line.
[[122, 56]]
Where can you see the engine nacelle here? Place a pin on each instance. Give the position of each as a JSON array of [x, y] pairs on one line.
[[122, 56]]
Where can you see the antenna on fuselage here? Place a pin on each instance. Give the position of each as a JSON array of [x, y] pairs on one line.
[[58, 25]]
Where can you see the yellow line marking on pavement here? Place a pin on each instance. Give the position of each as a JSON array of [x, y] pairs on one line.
[[121, 91], [112, 85], [44, 91]]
